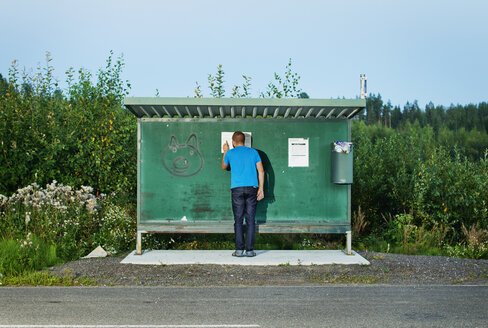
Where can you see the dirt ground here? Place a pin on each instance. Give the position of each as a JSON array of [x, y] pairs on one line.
[[391, 269]]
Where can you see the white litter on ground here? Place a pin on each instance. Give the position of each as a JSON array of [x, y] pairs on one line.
[[97, 252]]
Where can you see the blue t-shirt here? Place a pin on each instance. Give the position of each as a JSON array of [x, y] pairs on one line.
[[243, 162]]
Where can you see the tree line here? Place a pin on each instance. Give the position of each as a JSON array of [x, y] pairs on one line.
[[431, 162], [454, 117]]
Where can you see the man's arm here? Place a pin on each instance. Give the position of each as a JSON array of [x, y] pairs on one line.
[[225, 148], [259, 167]]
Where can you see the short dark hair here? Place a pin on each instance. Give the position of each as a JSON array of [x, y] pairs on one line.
[[238, 137]]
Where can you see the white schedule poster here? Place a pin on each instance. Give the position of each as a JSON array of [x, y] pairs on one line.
[[298, 152], [227, 136]]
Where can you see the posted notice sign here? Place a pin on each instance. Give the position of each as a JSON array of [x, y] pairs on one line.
[[227, 136], [298, 152]]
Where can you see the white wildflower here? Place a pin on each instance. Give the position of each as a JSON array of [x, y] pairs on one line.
[[51, 186], [3, 200], [91, 205], [87, 189]]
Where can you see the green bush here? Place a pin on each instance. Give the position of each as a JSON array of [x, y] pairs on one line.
[[384, 171], [452, 191], [372, 242], [409, 171], [117, 230], [80, 136], [409, 238]]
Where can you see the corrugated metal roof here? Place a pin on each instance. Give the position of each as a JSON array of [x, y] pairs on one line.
[[244, 108]]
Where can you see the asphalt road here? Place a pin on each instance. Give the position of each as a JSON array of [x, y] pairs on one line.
[[327, 306]]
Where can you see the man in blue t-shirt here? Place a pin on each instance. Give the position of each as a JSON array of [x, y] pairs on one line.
[[247, 180]]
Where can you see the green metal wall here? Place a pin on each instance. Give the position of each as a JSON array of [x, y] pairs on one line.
[[297, 199]]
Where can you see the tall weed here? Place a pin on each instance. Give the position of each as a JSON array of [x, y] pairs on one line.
[[29, 254], [475, 245], [409, 238]]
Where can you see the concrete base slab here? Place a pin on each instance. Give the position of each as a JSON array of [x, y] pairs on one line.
[[263, 257]]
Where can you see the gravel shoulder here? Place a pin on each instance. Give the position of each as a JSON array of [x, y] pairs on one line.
[[389, 269]]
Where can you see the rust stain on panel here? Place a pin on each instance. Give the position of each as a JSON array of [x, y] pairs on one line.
[[202, 197], [146, 214]]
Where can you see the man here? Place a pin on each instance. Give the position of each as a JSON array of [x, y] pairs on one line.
[[247, 180]]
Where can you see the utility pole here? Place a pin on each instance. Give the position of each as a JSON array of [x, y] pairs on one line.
[[363, 85]]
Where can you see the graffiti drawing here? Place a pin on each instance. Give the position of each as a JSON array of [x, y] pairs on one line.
[[182, 160]]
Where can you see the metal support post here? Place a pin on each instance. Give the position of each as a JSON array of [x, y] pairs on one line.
[[139, 243], [348, 242]]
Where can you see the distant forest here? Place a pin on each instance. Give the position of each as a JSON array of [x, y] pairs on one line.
[[455, 117], [464, 127]]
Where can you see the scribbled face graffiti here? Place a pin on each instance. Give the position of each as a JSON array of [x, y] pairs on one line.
[[182, 160]]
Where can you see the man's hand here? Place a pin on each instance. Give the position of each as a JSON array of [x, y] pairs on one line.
[[259, 167], [225, 147]]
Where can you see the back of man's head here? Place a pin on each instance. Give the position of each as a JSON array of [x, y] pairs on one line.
[[238, 138]]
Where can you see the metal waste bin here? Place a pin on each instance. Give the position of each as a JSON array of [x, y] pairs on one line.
[[341, 162]]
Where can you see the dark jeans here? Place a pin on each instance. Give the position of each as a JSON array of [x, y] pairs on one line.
[[244, 204]]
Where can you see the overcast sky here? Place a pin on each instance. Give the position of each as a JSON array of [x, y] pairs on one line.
[[425, 50]]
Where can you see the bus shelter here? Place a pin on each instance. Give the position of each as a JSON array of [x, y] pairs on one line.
[[305, 149]]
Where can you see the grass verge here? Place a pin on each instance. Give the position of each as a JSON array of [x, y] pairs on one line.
[[344, 278], [43, 278]]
